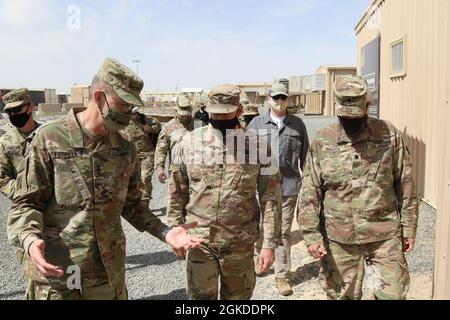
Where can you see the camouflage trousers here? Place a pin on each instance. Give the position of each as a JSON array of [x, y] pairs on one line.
[[230, 271], [40, 291], [283, 252], [343, 270], [147, 161]]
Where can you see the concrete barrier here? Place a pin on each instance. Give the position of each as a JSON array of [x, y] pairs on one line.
[[66, 107], [49, 108]]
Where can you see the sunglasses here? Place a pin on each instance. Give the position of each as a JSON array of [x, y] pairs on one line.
[[280, 97], [17, 110]]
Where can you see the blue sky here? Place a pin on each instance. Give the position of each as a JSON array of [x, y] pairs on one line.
[[181, 43]]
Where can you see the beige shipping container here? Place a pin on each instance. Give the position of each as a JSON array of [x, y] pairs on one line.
[[50, 96], [313, 103], [79, 94], [414, 93]]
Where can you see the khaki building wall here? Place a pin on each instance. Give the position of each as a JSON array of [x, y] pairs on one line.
[[413, 103], [442, 266], [417, 103]]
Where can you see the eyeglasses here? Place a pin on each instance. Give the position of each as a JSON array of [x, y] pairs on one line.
[[18, 109], [280, 97]]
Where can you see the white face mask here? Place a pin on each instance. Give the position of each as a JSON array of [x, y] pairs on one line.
[[279, 105]]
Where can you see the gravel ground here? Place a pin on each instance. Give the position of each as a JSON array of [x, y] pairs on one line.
[[154, 273]]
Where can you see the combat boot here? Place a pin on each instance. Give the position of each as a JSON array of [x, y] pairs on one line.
[[284, 288]]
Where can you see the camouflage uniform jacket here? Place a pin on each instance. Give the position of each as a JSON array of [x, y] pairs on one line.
[[73, 196], [140, 137], [218, 190], [171, 134], [358, 191], [13, 146]]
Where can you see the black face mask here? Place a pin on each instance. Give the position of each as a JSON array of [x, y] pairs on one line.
[[20, 120], [248, 119], [224, 125], [353, 126]]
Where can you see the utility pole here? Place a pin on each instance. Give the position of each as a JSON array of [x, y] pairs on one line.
[[137, 61]]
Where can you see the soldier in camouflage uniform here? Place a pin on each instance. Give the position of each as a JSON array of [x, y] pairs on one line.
[[81, 176], [358, 202], [13, 147], [143, 131], [215, 184], [14, 142], [171, 134], [250, 112]]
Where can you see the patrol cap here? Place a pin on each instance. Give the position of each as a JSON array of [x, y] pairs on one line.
[[184, 106], [124, 81], [251, 110], [351, 97], [16, 98], [278, 89], [223, 99]]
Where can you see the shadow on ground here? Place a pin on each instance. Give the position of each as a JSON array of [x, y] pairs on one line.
[[150, 259], [179, 294], [305, 273]]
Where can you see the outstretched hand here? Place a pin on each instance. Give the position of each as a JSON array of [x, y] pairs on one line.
[[180, 241]]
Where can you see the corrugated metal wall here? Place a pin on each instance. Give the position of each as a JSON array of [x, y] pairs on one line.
[[313, 102]]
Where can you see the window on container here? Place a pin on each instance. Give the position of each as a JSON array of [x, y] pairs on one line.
[[398, 57]]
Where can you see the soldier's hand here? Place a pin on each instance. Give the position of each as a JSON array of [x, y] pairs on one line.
[[181, 253], [317, 250], [36, 251], [179, 239], [408, 244], [162, 177], [266, 259]]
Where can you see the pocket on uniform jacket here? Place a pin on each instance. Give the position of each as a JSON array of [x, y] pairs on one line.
[[21, 183], [378, 150], [334, 179], [66, 190]]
